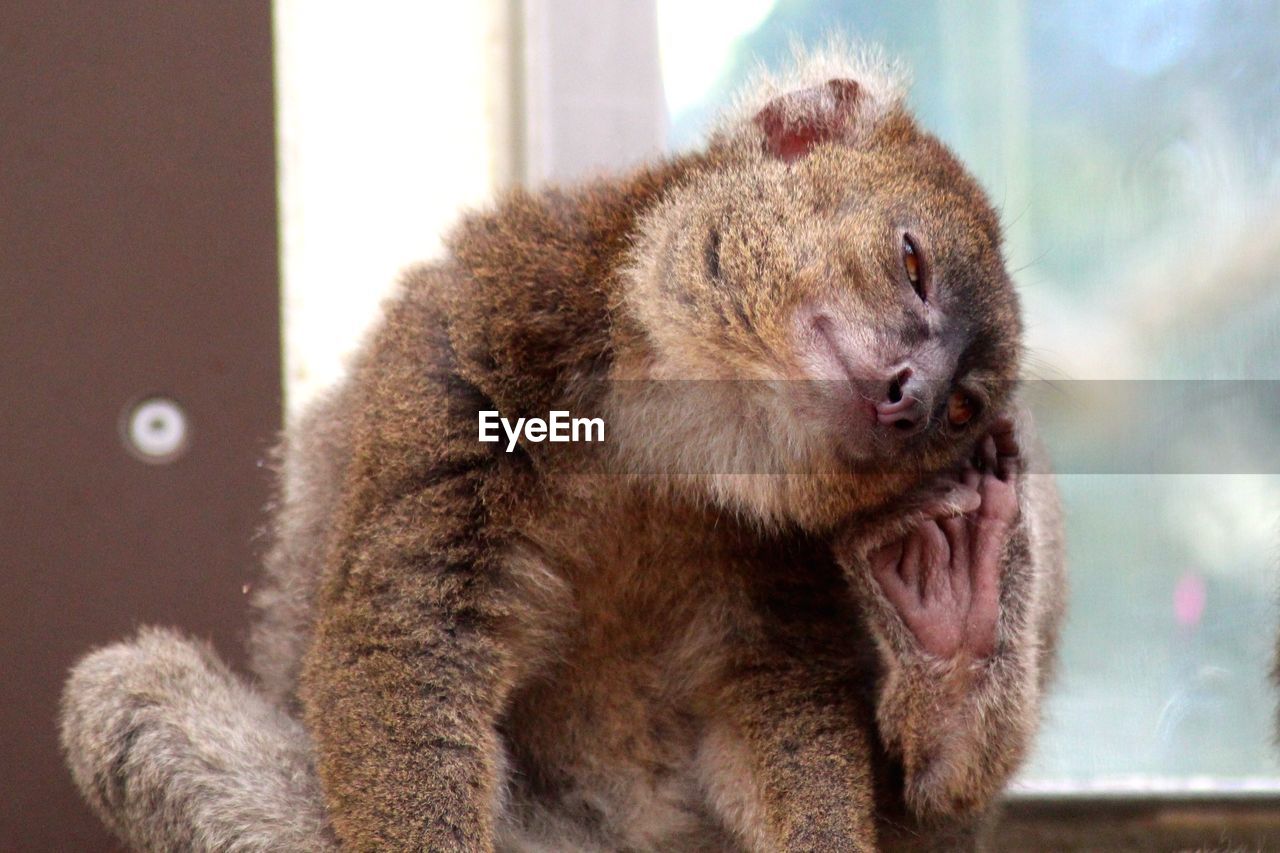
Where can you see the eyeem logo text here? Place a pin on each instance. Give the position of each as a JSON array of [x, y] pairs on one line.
[[559, 426]]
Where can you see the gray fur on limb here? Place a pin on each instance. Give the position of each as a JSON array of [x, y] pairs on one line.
[[175, 752]]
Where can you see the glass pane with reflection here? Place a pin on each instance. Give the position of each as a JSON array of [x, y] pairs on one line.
[[1134, 151]]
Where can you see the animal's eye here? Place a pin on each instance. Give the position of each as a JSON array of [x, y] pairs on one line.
[[914, 266]]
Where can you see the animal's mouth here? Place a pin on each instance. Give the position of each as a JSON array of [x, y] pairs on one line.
[[858, 403], [823, 325]]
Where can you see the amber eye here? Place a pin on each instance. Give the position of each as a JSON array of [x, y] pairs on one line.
[[961, 408], [911, 262]]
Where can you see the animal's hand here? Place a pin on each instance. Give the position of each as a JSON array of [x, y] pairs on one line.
[[960, 685], [942, 576]]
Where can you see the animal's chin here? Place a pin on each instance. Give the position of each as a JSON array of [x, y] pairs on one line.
[[866, 454], [855, 442], [897, 464], [824, 501]]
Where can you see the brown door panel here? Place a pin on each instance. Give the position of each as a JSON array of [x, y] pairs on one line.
[[137, 257]]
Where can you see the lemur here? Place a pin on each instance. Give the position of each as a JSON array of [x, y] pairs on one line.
[[803, 597]]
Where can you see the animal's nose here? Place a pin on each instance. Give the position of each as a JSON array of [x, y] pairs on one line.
[[905, 406]]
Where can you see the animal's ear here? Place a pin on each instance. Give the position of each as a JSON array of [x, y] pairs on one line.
[[795, 122]]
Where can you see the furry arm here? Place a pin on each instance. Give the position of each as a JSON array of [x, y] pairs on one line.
[[962, 724], [402, 700], [406, 674]]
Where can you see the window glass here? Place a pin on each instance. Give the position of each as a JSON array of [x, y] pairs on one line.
[[387, 124], [1133, 151]]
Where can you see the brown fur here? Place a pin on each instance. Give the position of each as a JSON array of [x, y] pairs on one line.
[[526, 648], [671, 640]]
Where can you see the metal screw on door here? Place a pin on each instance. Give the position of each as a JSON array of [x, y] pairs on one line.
[[155, 430]]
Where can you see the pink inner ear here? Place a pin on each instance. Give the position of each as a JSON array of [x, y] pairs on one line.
[[795, 122]]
